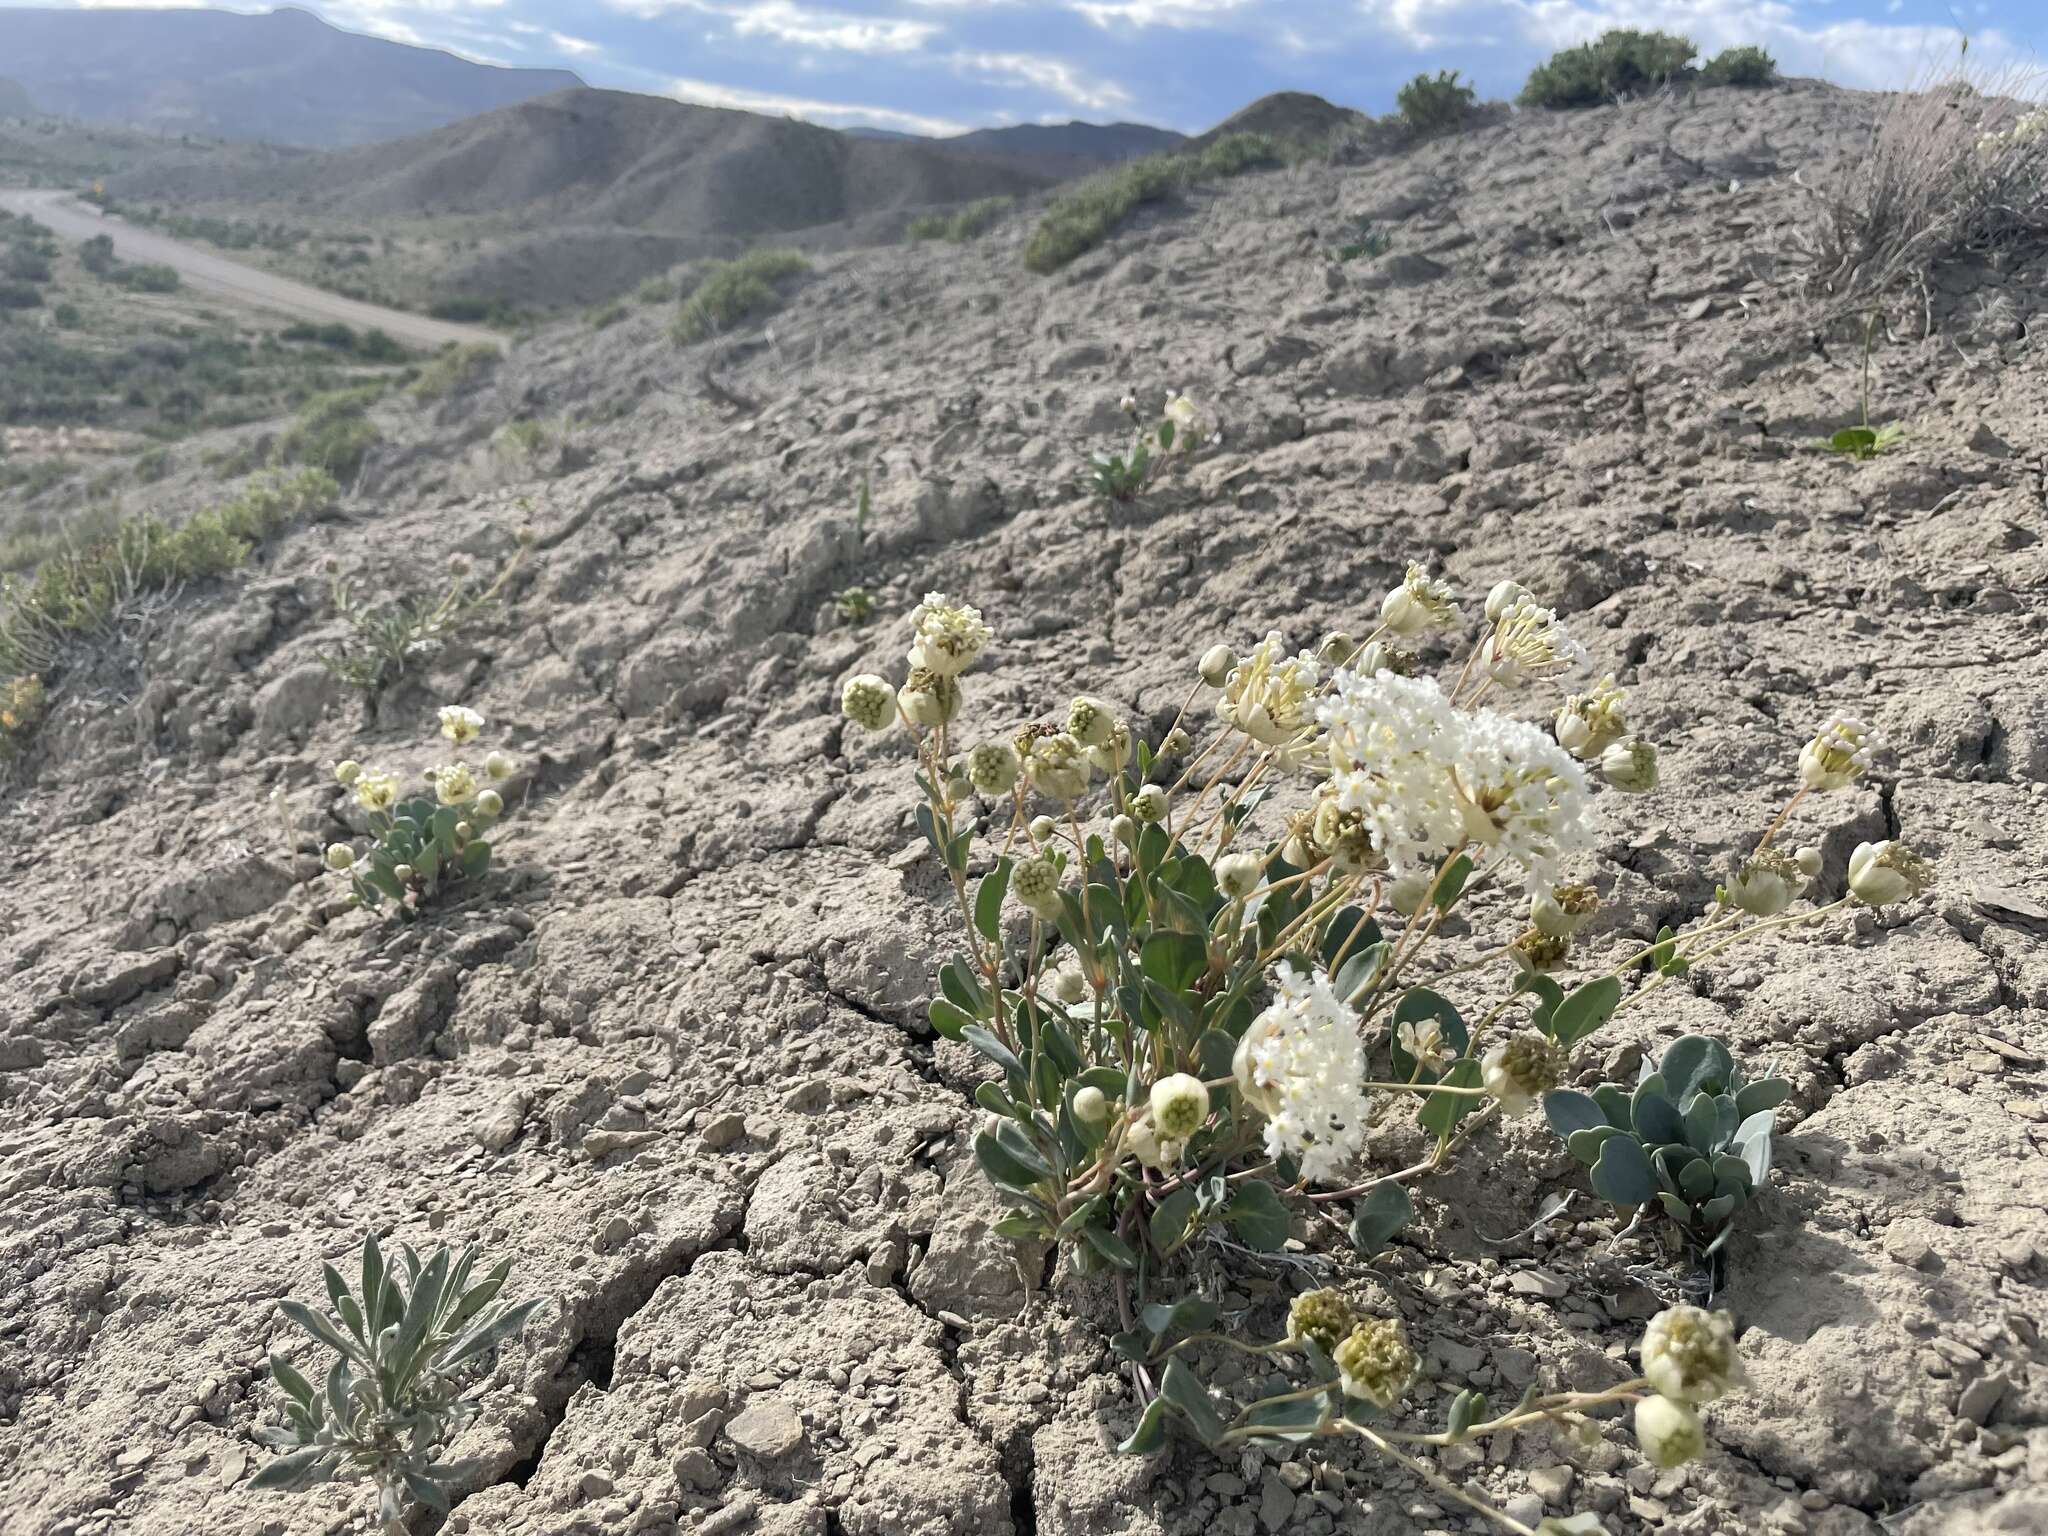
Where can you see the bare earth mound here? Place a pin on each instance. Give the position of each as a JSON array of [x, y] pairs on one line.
[[673, 1059]]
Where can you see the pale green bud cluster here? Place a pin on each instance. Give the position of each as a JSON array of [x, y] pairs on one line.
[[929, 698], [992, 768], [1521, 1069], [1180, 1103], [1035, 886], [1324, 1317], [1149, 805], [1884, 874], [1375, 1363], [1091, 722], [1630, 767], [1669, 1432], [868, 701], [1689, 1354], [1563, 910], [1239, 874], [1768, 882]]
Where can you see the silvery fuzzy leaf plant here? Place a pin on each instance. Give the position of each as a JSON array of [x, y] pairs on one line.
[[423, 844], [1192, 1025], [407, 1343], [1119, 477], [1693, 1139]]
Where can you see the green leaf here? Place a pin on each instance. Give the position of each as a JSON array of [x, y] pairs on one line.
[[1585, 1010], [476, 859], [1450, 884], [1149, 1434], [1441, 1112], [1180, 1387], [1709, 1123], [1022, 1227], [1569, 1111], [1350, 931], [997, 1102], [1549, 995], [1171, 1218], [1656, 1118], [1004, 1169], [1622, 1174], [291, 1471], [962, 990], [1258, 1216], [1174, 960], [988, 901], [1293, 1421], [320, 1328], [1110, 1246], [1696, 1180], [1085, 1213], [1694, 1064], [426, 1490], [948, 1018], [300, 1389], [1380, 1215], [1614, 1101], [988, 1045], [1585, 1145], [1355, 978], [1466, 1407], [1757, 1097], [1191, 1314], [1756, 1155]]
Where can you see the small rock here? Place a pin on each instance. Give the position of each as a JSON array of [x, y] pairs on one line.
[[696, 1470], [766, 1429], [1552, 1484], [722, 1133], [1537, 1282], [595, 1485], [1276, 1503], [1980, 1399]]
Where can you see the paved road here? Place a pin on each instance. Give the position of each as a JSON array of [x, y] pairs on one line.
[[221, 278]]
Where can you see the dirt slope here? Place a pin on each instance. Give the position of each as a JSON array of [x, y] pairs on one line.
[[673, 1057]]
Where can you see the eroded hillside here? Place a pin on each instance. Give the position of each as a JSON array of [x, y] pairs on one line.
[[673, 1055]]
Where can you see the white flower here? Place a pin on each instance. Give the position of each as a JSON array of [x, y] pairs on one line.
[[1035, 886], [1423, 1039], [929, 698], [949, 635], [1527, 642], [1689, 1354], [1562, 912], [1520, 1070], [1767, 883], [1090, 721], [340, 856], [460, 725], [499, 766], [1426, 778], [1091, 1106], [1216, 664], [1503, 596], [1669, 1432], [376, 791], [1066, 983], [1301, 1064], [1630, 766], [1124, 831], [490, 803], [454, 783], [1881, 874], [1268, 694], [1113, 753], [867, 700], [1054, 765], [1239, 874], [1420, 602], [1189, 429], [992, 768], [1179, 1106], [1590, 723], [1838, 755], [347, 771], [1149, 805]]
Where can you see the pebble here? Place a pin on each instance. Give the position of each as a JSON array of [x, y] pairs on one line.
[[1552, 1484], [766, 1429]]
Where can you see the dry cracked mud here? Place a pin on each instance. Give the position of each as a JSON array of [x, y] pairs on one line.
[[672, 1055]]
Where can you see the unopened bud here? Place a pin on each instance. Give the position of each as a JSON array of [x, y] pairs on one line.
[[340, 856], [1217, 663], [347, 771]]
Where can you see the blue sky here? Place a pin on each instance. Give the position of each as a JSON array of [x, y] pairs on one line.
[[942, 66]]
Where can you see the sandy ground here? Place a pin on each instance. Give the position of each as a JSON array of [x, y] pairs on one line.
[[673, 1057], [238, 285]]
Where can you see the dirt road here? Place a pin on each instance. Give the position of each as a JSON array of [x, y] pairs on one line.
[[230, 280]]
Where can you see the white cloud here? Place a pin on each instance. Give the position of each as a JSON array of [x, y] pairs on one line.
[[1039, 73], [1182, 15], [833, 114], [799, 26], [575, 47]]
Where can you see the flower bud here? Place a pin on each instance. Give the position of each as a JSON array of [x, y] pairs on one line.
[[1400, 612], [1113, 753], [929, 698], [1767, 883], [1148, 805], [1407, 893], [1670, 1433], [464, 831], [992, 768], [1375, 1363], [1881, 874], [1630, 767], [1239, 874], [1505, 595], [1090, 721], [1174, 743], [1042, 828], [1035, 886], [1689, 1354], [340, 856], [1179, 1106], [1217, 663], [1070, 986], [1153, 1150], [1809, 861], [1541, 952], [1521, 1069], [402, 873], [1091, 1106], [867, 700], [347, 771], [1324, 1317], [1337, 649], [499, 766], [1057, 766], [490, 803], [1562, 912], [1124, 830]]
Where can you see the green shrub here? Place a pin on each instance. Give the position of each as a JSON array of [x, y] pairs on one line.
[[148, 278], [332, 432], [1748, 65], [1619, 62], [656, 290], [67, 316], [1433, 103], [19, 295], [963, 224], [97, 254], [1083, 218], [607, 315], [731, 292], [456, 368], [1236, 153]]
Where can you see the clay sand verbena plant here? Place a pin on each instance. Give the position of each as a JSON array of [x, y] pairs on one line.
[[1192, 1026]]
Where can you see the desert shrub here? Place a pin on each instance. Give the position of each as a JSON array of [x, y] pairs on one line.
[[423, 844], [410, 1345], [961, 225], [1620, 62], [96, 254], [77, 590], [67, 315], [386, 638], [455, 368], [1081, 219], [22, 702], [1748, 65], [149, 277], [26, 263], [656, 290], [1236, 153], [16, 295], [1955, 170], [1434, 103], [332, 432], [153, 465], [606, 316], [732, 292], [1203, 970]]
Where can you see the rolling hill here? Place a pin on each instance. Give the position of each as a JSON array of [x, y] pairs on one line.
[[1051, 149], [285, 78]]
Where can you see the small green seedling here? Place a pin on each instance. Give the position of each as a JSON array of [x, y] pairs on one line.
[[1865, 441]]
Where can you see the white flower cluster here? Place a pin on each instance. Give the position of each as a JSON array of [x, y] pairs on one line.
[[1268, 695], [1528, 641], [949, 635], [1425, 777], [1301, 1063], [1838, 755], [2029, 129]]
